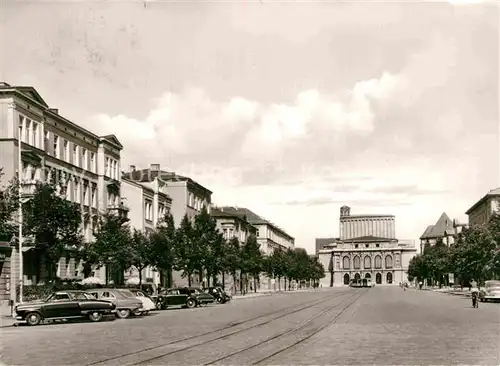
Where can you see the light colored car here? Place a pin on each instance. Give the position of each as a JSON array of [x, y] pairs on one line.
[[124, 300], [147, 303], [490, 291]]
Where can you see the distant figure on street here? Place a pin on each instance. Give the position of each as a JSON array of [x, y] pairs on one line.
[[475, 294], [420, 284]]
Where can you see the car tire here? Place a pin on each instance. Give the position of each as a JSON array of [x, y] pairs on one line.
[[33, 319], [159, 305], [95, 316], [123, 313], [139, 313], [191, 303], [220, 300]]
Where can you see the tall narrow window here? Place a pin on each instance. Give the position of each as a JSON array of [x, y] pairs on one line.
[[66, 151], [57, 151], [84, 159], [76, 157], [92, 163], [35, 134]]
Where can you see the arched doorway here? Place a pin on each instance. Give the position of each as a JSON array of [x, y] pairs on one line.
[[346, 279], [357, 277], [389, 277], [368, 276], [378, 278]]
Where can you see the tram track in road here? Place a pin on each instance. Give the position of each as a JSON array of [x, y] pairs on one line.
[[348, 303], [287, 312]]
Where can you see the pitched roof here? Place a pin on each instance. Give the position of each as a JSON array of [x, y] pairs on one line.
[[27, 91], [113, 139], [440, 228], [148, 175], [493, 193], [252, 217], [426, 232]]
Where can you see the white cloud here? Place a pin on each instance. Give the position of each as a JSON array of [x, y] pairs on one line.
[[191, 124]]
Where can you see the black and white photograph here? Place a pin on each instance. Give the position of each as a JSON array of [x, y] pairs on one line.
[[249, 182]]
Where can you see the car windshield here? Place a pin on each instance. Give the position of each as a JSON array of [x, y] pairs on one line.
[[126, 293]]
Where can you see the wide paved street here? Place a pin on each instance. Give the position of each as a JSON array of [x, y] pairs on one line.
[[384, 326]]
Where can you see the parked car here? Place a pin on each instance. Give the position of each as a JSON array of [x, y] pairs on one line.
[[490, 291], [218, 293], [64, 305], [124, 300], [147, 302], [189, 297]]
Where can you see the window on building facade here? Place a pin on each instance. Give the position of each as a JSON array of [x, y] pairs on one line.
[[46, 140], [378, 262], [357, 262], [93, 195], [377, 245], [367, 245], [26, 134], [388, 261], [398, 259], [76, 195], [346, 263], [367, 262], [85, 192], [34, 134], [66, 150], [356, 246], [76, 160], [84, 159], [148, 210], [93, 165], [224, 233], [106, 167], [57, 150]]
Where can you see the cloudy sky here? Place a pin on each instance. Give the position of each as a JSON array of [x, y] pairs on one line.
[[291, 109]]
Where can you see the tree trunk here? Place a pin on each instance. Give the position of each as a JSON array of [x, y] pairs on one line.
[[200, 277], [279, 283], [285, 283], [331, 279], [208, 279], [254, 284], [241, 283], [189, 279], [234, 282], [140, 277], [224, 280]]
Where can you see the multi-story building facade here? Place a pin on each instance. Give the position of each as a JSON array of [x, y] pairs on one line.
[[188, 198], [148, 203], [482, 210], [54, 147], [269, 236], [358, 253]]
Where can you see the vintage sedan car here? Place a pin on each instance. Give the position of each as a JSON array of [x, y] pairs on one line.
[[218, 293], [124, 300], [64, 305], [147, 302], [490, 291], [189, 297]]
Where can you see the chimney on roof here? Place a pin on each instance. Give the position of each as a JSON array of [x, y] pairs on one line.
[[132, 168], [54, 110]]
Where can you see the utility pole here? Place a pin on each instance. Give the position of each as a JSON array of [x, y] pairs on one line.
[[20, 208]]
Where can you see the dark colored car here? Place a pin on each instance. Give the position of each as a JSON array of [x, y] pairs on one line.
[[189, 297], [64, 305], [218, 293], [125, 301]]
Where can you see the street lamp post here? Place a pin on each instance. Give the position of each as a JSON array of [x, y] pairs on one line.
[[20, 209]]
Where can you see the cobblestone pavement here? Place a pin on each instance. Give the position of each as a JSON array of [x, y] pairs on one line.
[[383, 326]]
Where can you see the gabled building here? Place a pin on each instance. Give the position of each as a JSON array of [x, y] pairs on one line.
[[52, 146], [483, 209], [444, 229], [232, 224]]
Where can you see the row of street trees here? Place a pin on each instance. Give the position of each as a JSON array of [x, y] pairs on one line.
[[474, 255], [53, 226]]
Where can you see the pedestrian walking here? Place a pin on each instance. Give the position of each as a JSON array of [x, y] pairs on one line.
[[475, 294]]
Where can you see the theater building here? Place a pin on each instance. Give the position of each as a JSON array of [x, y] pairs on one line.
[[366, 248]]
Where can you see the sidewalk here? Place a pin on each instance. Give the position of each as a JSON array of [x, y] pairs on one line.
[[270, 292], [450, 291]]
